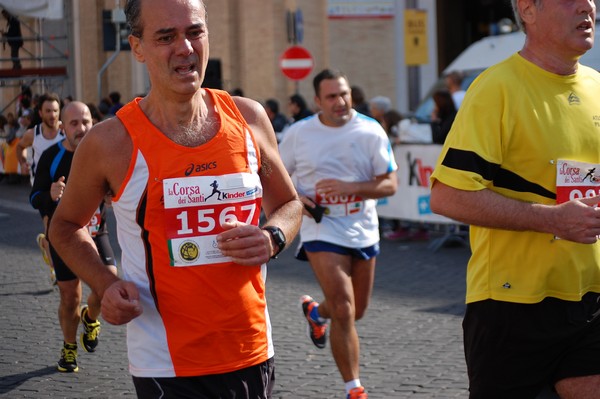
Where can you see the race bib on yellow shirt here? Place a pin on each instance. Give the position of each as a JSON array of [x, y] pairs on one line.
[[576, 180], [196, 208]]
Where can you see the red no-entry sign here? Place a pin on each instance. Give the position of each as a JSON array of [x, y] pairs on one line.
[[296, 63]]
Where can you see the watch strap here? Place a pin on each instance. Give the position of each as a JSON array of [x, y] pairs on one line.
[[278, 239]]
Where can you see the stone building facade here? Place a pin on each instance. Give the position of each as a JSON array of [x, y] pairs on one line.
[[247, 38]]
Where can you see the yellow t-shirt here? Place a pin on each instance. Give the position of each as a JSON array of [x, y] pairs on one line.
[[516, 122]]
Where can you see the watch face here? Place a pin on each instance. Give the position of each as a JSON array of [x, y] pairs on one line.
[[278, 236]]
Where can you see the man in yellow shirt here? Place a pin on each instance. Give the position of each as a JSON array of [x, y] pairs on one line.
[[513, 167]]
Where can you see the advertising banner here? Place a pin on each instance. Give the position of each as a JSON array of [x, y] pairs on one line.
[[411, 201]]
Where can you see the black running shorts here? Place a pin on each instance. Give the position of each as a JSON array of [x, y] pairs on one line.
[[62, 271], [515, 350], [255, 382]]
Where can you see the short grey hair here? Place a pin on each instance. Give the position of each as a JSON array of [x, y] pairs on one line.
[[520, 22], [133, 15], [383, 104]]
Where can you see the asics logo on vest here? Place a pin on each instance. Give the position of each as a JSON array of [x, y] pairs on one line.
[[201, 167]]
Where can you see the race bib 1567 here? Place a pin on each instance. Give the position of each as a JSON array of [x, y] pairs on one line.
[[196, 208]]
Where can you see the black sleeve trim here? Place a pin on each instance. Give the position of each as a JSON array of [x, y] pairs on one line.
[[469, 161]]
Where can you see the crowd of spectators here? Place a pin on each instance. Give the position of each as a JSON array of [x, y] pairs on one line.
[[25, 115]]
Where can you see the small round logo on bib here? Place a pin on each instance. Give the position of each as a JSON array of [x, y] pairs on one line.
[[189, 251]]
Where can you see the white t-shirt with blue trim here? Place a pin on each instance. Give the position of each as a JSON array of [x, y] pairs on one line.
[[356, 152]]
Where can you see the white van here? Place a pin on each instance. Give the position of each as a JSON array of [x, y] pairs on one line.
[[471, 62]]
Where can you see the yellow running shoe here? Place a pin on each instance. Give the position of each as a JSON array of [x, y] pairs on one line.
[[68, 359], [40, 242], [89, 336]]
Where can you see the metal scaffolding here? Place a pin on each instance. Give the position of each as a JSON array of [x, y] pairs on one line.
[[44, 58]]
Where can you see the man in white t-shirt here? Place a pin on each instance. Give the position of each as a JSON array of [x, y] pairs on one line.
[[341, 162]]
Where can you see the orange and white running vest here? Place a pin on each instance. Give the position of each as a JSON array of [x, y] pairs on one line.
[[202, 313]]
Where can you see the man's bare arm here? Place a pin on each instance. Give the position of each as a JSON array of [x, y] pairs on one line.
[[280, 201], [577, 220], [85, 190], [99, 166], [382, 186]]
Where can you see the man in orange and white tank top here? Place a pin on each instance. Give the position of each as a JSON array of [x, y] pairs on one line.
[[194, 265]]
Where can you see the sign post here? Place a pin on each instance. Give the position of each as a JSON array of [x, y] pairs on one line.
[[296, 63]]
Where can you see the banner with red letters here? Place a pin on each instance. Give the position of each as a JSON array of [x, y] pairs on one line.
[[411, 201]]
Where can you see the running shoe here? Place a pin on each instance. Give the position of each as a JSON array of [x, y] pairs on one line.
[[68, 359], [316, 331], [89, 336], [357, 393], [40, 239]]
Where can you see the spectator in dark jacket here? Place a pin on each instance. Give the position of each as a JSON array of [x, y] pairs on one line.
[[278, 120], [442, 116], [297, 107], [115, 99], [14, 38]]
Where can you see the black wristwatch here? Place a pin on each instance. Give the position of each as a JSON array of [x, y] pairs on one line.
[[278, 238]]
